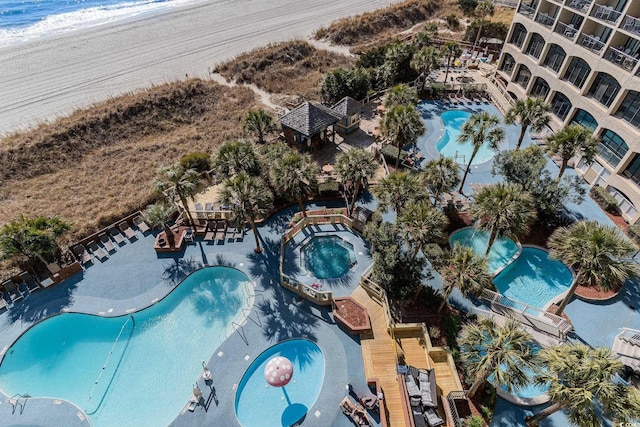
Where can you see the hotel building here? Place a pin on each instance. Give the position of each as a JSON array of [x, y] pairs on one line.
[[582, 57]]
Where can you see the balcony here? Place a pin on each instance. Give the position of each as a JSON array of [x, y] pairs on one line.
[[565, 30], [526, 10], [631, 24], [606, 13], [591, 42], [581, 5], [545, 19], [621, 59]]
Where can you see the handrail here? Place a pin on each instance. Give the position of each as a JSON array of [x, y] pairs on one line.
[[451, 397]]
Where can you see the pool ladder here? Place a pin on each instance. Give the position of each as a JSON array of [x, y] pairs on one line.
[[16, 400]]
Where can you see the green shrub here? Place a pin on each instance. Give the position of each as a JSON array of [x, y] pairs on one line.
[[474, 421], [486, 411], [199, 161], [452, 22], [490, 29], [468, 6], [605, 200], [452, 326], [329, 188], [434, 253]]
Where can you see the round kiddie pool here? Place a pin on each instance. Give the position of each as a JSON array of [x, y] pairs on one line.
[[328, 257], [259, 403]]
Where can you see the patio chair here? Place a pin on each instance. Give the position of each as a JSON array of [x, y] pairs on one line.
[[231, 231], [106, 242], [31, 283], [188, 235], [365, 397], [139, 222], [221, 230], [127, 231], [12, 291], [432, 417], [239, 234], [99, 252], [81, 254], [116, 235], [357, 416], [428, 388], [418, 417], [210, 231]]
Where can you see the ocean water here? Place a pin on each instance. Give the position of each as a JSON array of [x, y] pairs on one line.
[[26, 20]]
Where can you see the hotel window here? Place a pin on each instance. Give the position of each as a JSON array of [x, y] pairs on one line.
[[585, 119], [508, 63], [518, 35], [604, 89], [612, 148], [540, 88], [536, 44], [555, 57], [577, 72], [633, 170], [523, 76], [560, 105], [630, 108]]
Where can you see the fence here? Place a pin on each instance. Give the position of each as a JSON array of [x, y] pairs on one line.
[[453, 408], [527, 315]]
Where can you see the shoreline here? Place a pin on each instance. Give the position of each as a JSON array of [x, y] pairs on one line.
[[51, 77]]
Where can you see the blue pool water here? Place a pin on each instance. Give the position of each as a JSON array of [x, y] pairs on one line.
[[63, 356], [531, 390], [502, 251], [533, 278], [258, 404], [328, 257], [449, 146]]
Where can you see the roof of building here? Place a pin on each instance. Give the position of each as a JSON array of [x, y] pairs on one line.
[[309, 119], [347, 106]]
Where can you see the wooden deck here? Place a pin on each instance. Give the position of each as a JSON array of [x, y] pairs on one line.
[[380, 352]]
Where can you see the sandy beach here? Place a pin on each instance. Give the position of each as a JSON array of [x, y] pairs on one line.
[[52, 77]]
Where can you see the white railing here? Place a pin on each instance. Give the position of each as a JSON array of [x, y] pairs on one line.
[[526, 10], [581, 5], [590, 42], [631, 24], [527, 315], [621, 59], [565, 30], [544, 19], [631, 336], [606, 13], [453, 409]]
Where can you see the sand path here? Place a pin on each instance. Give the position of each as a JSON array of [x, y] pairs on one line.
[[52, 77]]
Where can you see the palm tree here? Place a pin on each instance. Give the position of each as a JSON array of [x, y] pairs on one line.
[[402, 125], [531, 113], [258, 122], [176, 182], [451, 50], [570, 141], [426, 60], [440, 176], [358, 166], [249, 198], [483, 9], [481, 128], [235, 157], [582, 383], [401, 94], [295, 175], [422, 224], [34, 238], [504, 210], [466, 271], [600, 255], [159, 216], [398, 189], [505, 353]]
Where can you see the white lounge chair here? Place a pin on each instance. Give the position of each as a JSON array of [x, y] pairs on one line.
[[98, 252], [116, 235], [128, 231], [82, 254], [106, 242], [139, 222]]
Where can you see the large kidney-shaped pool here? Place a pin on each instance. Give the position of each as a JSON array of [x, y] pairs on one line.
[[112, 368], [259, 404], [449, 146]]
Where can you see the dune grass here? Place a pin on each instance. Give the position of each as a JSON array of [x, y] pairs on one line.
[[99, 163], [288, 68]]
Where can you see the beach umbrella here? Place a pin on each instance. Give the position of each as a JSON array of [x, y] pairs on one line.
[[278, 371]]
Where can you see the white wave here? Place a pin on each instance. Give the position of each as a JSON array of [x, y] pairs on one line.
[[83, 18]]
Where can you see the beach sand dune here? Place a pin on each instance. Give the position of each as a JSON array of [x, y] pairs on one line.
[[52, 77]]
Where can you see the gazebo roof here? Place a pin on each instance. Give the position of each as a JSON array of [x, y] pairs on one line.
[[347, 106], [309, 119]]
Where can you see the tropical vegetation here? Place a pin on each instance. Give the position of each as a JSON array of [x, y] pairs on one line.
[[421, 224], [529, 113], [258, 122], [401, 126], [357, 166], [177, 183], [466, 271], [397, 190], [440, 176], [571, 141], [481, 128], [295, 175]]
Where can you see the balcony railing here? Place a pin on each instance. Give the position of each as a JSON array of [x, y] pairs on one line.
[[526, 10], [545, 19], [592, 43], [581, 5], [631, 24], [621, 59], [567, 31], [606, 13]]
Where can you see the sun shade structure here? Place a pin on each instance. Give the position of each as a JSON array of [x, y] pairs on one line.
[[278, 371], [307, 124]]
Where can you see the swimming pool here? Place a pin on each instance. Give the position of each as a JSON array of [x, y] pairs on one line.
[[130, 357], [328, 257], [502, 251], [259, 404], [530, 394], [534, 278], [449, 146]]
